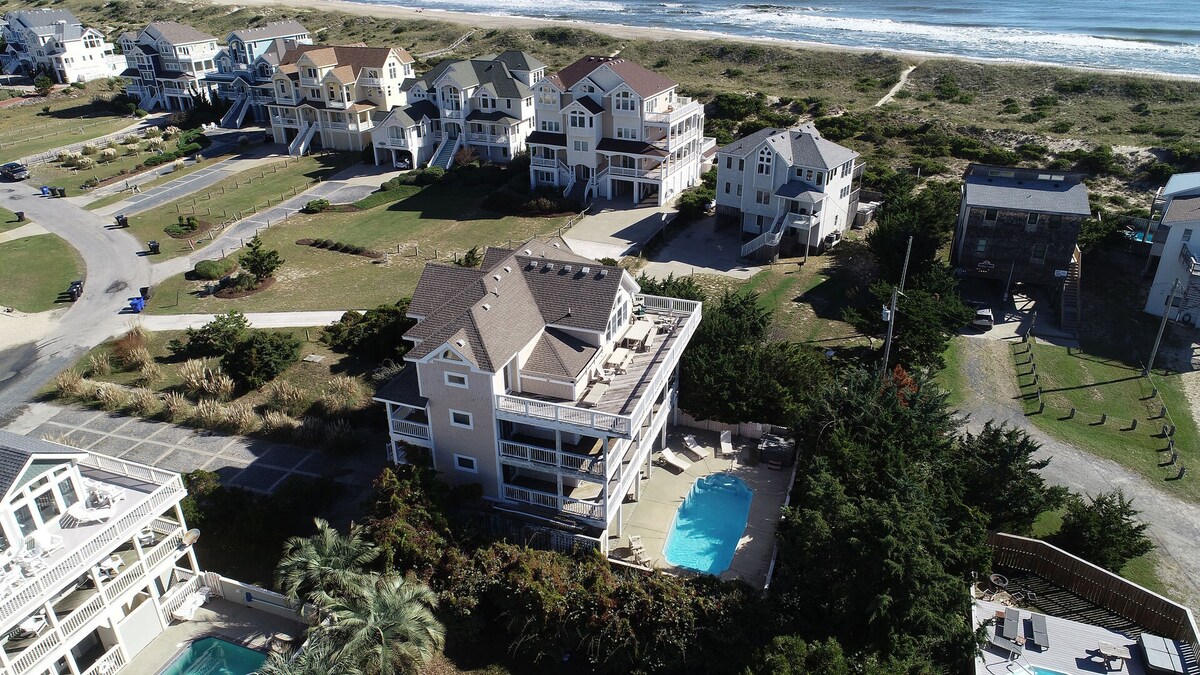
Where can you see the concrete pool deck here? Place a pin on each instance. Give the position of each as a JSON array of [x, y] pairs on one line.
[[651, 517]]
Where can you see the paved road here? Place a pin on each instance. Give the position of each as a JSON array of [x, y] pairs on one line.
[[115, 272], [1174, 523], [256, 319]]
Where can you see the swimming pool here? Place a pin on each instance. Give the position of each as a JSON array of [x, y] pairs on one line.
[[214, 656], [709, 523], [1038, 670]]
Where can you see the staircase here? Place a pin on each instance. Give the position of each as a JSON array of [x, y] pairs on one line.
[[299, 145], [236, 113], [1071, 308], [445, 153], [577, 190], [769, 238]]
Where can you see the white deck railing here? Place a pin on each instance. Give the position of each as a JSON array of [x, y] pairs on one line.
[[406, 428], [550, 457], [112, 661], [575, 507], [175, 596]]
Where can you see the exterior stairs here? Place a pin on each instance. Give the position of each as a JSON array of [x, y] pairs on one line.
[[445, 154], [577, 191], [1071, 306], [771, 237], [236, 113], [300, 145]]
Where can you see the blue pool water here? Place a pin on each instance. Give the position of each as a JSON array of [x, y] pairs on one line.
[[1038, 670], [214, 656], [709, 523]]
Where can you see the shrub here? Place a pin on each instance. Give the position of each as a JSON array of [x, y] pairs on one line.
[[210, 414], [374, 335], [153, 132], [137, 357], [219, 385], [84, 163], [99, 364], [108, 155], [90, 149], [259, 261], [176, 407], [213, 338], [170, 132], [112, 396], [69, 383], [339, 436], [316, 205], [125, 346], [194, 373], [285, 397], [342, 394], [150, 372], [279, 424], [214, 269], [145, 402], [261, 357], [240, 418]]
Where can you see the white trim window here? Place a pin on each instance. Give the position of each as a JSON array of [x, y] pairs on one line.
[[456, 380], [466, 463], [460, 419], [764, 162], [623, 100]]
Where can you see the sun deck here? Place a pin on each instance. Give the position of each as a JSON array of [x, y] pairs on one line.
[[652, 516]]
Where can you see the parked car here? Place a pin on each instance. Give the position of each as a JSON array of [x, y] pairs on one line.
[[14, 171], [983, 316]]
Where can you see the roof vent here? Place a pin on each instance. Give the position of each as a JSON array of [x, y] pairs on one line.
[[555, 245], [586, 270], [507, 269], [496, 277], [567, 268], [549, 266], [603, 273], [528, 252], [460, 343], [486, 306]]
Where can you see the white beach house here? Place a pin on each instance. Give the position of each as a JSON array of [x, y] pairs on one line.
[[54, 41], [1177, 212], [166, 65]]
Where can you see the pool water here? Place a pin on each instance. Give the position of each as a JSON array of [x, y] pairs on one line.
[[709, 523], [214, 656], [1038, 670]]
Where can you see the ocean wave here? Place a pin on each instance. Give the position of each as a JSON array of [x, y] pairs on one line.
[[580, 8]]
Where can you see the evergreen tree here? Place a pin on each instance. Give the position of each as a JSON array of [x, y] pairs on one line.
[[1103, 530], [258, 261], [1001, 479]]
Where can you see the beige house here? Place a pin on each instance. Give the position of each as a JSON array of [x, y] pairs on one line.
[[330, 94], [609, 128], [545, 378]]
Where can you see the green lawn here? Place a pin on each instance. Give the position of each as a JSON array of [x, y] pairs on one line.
[[953, 377], [180, 173], [8, 220], [235, 197], [442, 219], [126, 163], [25, 130], [1095, 386], [35, 270]]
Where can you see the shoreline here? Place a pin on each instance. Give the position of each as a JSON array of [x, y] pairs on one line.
[[488, 21]]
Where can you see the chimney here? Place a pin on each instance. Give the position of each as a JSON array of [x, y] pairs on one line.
[[60, 27]]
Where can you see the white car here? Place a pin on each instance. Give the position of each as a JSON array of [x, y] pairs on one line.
[[983, 316]]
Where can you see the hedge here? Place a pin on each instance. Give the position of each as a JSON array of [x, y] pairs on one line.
[[215, 269]]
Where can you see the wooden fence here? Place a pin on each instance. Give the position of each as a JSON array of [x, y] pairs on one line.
[[1146, 608]]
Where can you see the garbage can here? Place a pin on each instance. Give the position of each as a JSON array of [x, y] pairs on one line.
[[62, 192], [20, 216], [145, 293], [45, 190], [153, 246], [122, 220], [137, 304]]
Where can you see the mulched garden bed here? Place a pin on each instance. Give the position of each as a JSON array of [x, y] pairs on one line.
[[202, 228], [231, 293]]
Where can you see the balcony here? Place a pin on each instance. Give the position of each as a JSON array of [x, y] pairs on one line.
[[309, 81], [628, 399], [586, 457], [370, 81], [390, 142], [335, 104], [548, 162], [1188, 260], [527, 495], [149, 492], [681, 108], [281, 121], [413, 423], [488, 138], [651, 174], [451, 114]]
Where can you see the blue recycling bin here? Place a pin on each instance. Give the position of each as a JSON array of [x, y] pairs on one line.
[[45, 190], [137, 305]]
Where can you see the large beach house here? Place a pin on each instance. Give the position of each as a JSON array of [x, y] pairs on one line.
[[609, 128], [543, 377], [166, 64], [1176, 209], [331, 94], [485, 103], [93, 558], [54, 41], [789, 189], [245, 66]]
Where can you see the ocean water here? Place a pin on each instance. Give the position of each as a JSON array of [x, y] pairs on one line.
[[1148, 35]]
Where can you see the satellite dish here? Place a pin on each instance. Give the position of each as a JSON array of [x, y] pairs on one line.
[[191, 536]]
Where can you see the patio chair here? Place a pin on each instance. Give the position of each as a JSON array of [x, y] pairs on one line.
[[727, 444], [45, 543], [147, 537], [675, 460], [695, 448], [635, 544]]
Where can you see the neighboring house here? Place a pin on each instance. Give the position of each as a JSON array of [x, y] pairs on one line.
[[54, 41], [485, 103], [93, 557], [543, 377], [331, 94], [788, 189], [609, 128], [245, 66], [166, 65], [1176, 245]]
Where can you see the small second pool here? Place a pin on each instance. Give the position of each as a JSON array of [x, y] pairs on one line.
[[214, 656], [709, 524]]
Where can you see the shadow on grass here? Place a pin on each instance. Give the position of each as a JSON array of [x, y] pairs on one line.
[[847, 283]]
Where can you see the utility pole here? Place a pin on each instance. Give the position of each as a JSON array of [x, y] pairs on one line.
[[1161, 326], [891, 312]]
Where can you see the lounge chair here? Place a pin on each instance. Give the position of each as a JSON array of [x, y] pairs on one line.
[[727, 444], [675, 460], [45, 543], [635, 543], [1040, 637], [695, 448], [1013, 649]]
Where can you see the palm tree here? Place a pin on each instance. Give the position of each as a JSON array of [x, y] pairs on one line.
[[386, 626], [316, 658], [326, 562]]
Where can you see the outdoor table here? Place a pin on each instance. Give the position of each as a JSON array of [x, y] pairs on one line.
[[999, 580], [618, 358], [1112, 652], [638, 332]]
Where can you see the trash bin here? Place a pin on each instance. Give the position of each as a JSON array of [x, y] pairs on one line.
[[137, 304], [45, 190], [62, 192], [153, 246], [122, 220], [145, 293], [20, 216]]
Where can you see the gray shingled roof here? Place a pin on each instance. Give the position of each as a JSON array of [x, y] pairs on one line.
[[33, 18], [489, 314], [802, 146], [275, 29], [559, 354], [547, 138], [491, 116], [1182, 182], [1182, 210], [471, 73], [1024, 191], [404, 388], [411, 116], [178, 33], [16, 451], [518, 60], [798, 189]]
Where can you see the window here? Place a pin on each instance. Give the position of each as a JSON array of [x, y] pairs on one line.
[[764, 162], [581, 146], [729, 163], [762, 196], [464, 463], [460, 419], [728, 187], [25, 520], [1031, 219], [449, 355], [1187, 235], [547, 96], [741, 165], [739, 190], [623, 100], [981, 247], [820, 177], [990, 214], [487, 103], [580, 120], [553, 126], [456, 380], [1039, 253], [392, 71], [47, 506], [395, 133], [67, 490], [1054, 222], [627, 133], [3, 542]]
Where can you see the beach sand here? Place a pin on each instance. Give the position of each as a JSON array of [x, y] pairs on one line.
[[487, 21]]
